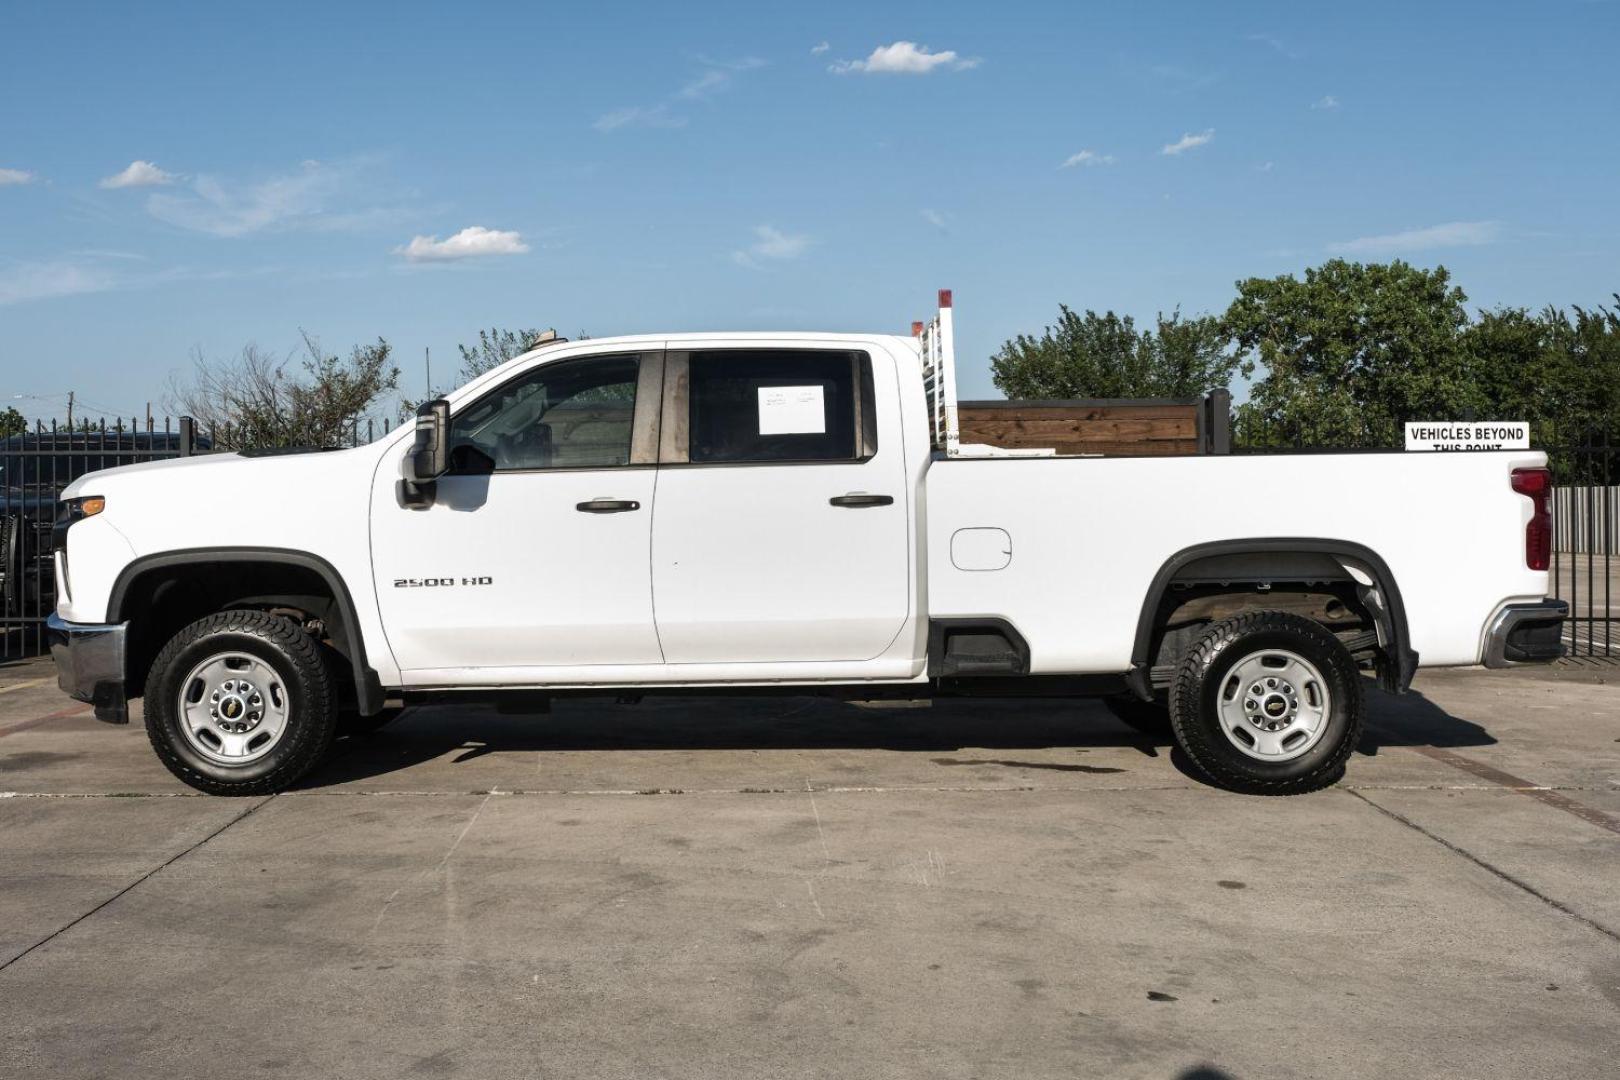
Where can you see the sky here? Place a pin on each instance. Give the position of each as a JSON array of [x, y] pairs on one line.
[[183, 179]]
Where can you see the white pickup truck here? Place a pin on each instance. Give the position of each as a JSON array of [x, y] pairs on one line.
[[732, 512]]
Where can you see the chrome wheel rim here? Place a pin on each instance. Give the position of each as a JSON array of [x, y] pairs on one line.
[[1274, 705], [233, 709]]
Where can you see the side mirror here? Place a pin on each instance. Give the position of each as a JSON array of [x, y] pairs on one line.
[[429, 458]]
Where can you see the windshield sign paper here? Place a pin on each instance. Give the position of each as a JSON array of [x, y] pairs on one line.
[[792, 410]]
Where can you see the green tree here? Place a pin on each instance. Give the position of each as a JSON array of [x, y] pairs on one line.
[[12, 422], [1583, 373], [495, 347], [1351, 352], [257, 401], [1102, 356], [1512, 359]]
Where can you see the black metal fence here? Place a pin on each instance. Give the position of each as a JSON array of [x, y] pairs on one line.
[[355, 432], [34, 468], [1585, 561]]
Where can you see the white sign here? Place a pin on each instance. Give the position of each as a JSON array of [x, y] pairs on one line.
[[792, 410], [1457, 435]]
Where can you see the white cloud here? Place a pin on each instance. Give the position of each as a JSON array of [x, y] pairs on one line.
[[139, 174], [1266, 166], [1188, 142], [1451, 234], [905, 58], [307, 199], [717, 76], [817, 50], [710, 82], [654, 116], [1088, 158], [747, 63], [43, 280], [1327, 101], [935, 218], [473, 242], [80, 272], [9, 177], [1181, 79], [1278, 44], [771, 243]]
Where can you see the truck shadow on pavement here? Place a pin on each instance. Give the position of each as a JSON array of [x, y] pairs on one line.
[[943, 730], [1411, 719]]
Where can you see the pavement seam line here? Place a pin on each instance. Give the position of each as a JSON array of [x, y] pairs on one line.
[[1556, 905], [165, 864], [442, 863], [1539, 792]]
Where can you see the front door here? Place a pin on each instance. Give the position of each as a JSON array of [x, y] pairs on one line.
[[781, 533], [541, 560]]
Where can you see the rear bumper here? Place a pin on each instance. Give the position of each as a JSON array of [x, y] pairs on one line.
[[1526, 634], [90, 664]]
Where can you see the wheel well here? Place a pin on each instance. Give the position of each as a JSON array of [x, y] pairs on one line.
[[163, 594], [1343, 586]]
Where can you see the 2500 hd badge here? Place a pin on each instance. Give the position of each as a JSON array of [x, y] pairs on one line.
[[439, 582]]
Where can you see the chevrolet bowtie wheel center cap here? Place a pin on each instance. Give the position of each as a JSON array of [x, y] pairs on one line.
[[1271, 704], [236, 706]]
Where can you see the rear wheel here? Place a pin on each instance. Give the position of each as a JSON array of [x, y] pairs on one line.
[[1268, 702], [240, 703]]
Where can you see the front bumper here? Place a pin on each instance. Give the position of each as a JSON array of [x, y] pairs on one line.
[[90, 664], [1526, 634]]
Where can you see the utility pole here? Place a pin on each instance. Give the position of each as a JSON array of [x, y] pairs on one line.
[[70, 410], [427, 360]]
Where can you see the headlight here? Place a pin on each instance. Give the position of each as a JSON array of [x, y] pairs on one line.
[[70, 510]]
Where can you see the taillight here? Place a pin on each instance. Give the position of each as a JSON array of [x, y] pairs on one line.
[[1536, 485]]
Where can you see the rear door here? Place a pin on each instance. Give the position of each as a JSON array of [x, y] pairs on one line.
[[781, 528]]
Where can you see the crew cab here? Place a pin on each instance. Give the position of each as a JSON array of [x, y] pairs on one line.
[[737, 511]]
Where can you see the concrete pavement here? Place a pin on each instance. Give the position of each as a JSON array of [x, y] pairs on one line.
[[791, 887]]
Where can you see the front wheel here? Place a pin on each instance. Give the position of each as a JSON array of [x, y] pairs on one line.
[[240, 703], [1268, 702]]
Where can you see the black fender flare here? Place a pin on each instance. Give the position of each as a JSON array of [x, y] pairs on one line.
[[1394, 676], [367, 686]]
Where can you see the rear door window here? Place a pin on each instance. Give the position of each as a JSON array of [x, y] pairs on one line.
[[777, 405]]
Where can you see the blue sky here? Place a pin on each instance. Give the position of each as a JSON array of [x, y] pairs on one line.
[[176, 177]]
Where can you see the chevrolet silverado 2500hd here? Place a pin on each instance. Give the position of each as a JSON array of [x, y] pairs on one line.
[[738, 511]]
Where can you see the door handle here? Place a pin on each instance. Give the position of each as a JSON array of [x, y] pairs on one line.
[[862, 500], [607, 506]]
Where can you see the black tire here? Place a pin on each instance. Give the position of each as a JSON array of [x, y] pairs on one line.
[[351, 725], [294, 657], [1148, 717], [1198, 685]]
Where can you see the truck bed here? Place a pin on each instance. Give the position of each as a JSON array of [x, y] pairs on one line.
[[1096, 531]]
